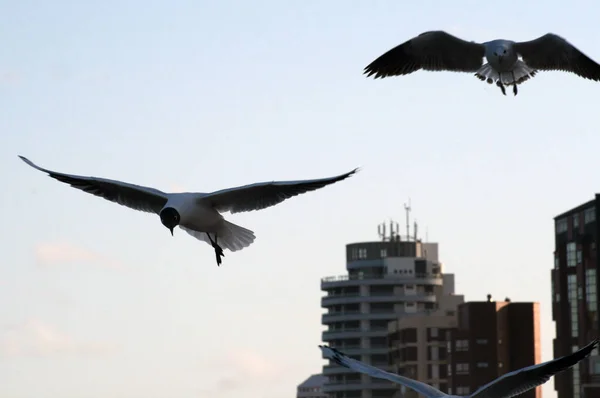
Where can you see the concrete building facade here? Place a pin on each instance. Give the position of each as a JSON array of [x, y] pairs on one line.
[[386, 280], [575, 281], [492, 338], [418, 346]]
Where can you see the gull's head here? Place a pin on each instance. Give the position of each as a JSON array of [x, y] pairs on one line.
[[170, 218], [500, 51]]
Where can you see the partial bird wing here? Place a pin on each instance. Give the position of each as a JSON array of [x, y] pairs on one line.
[[264, 194], [432, 51], [133, 196], [552, 52], [519, 381], [361, 367]]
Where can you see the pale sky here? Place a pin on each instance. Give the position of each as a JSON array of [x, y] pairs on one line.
[[98, 300]]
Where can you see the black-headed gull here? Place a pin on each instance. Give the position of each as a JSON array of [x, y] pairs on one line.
[[196, 213], [506, 386], [441, 51]]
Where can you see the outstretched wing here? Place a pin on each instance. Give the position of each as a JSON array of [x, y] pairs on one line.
[[264, 194], [552, 52], [519, 381], [133, 196], [432, 51], [372, 371]]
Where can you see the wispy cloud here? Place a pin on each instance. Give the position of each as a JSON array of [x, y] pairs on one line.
[[243, 369], [252, 364], [9, 77], [54, 253], [37, 338]]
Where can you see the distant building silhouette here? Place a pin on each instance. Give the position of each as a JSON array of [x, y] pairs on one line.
[[312, 387]]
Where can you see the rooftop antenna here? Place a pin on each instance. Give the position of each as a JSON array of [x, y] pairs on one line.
[[381, 230], [393, 232], [407, 209], [426, 234], [415, 230]]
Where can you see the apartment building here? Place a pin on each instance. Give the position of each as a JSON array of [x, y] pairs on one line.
[[492, 338], [418, 345], [394, 278], [574, 279]]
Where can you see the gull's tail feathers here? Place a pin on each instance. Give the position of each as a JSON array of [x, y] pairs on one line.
[[521, 72], [230, 236]]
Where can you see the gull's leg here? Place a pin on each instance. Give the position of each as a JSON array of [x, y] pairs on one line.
[[515, 90], [218, 249], [499, 83]]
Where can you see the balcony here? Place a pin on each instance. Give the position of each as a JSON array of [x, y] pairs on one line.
[[357, 385], [338, 299], [347, 280], [360, 350], [350, 333], [345, 316]]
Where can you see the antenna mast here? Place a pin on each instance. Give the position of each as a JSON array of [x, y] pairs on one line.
[[407, 209], [415, 230], [381, 231]]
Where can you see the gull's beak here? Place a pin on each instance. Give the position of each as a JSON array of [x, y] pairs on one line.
[[500, 57], [171, 229]]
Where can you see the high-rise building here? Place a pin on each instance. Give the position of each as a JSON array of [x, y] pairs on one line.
[[492, 338], [418, 346], [388, 279], [312, 387], [575, 296]]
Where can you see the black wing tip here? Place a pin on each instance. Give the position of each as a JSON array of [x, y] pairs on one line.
[[29, 162]]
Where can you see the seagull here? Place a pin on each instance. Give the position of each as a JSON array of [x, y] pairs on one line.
[[441, 51], [198, 214], [506, 386]]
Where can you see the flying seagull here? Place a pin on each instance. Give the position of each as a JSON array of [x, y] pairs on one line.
[[506, 386], [441, 51], [196, 213]]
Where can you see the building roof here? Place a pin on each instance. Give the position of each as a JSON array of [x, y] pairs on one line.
[[313, 381], [579, 208]]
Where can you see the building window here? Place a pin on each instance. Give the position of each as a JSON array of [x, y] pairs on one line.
[[591, 294], [561, 225], [482, 364], [362, 253], [462, 345], [571, 256], [556, 262], [383, 253], [462, 390], [449, 369], [579, 256], [462, 368], [572, 296], [433, 332], [576, 380], [576, 220], [482, 341], [589, 215]]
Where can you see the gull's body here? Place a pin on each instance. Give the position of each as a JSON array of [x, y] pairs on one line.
[[441, 51], [199, 214], [508, 385]]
